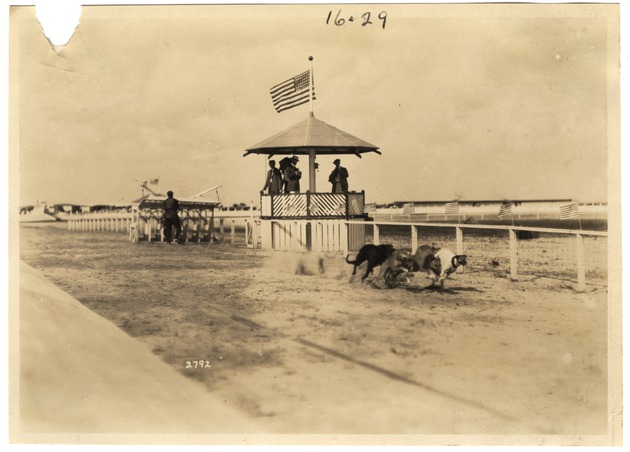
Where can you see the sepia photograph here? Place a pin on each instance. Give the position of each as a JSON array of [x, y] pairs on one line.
[[316, 224]]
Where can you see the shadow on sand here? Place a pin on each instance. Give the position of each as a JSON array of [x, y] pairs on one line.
[[449, 291]]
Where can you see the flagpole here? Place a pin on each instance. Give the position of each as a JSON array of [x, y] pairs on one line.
[[312, 183], [310, 86]]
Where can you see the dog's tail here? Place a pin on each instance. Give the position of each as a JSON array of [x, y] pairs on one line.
[[349, 261]]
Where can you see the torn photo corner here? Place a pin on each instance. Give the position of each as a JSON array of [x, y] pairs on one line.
[[58, 20]]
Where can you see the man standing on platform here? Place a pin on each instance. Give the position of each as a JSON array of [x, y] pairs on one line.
[[171, 218], [274, 179], [339, 178], [292, 176]]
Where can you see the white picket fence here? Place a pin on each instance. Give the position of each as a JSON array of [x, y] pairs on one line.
[[576, 255], [540, 251]]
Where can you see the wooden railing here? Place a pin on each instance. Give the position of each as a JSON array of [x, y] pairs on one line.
[[313, 205]]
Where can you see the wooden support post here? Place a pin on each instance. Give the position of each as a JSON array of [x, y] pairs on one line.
[[221, 226], [343, 232], [211, 227], [293, 235], [414, 238], [581, 264], [254, 234], [266, 240], [316, 244], [459, 237], [377, 239], [232, 233], [513, 255]]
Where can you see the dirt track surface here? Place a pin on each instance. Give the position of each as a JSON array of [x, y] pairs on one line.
[[299, 351], [71, 384]]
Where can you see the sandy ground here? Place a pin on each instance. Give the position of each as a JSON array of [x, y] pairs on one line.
[[303, 352], [81, 374]]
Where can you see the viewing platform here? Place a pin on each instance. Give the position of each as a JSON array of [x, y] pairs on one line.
[[312, 221], [307, 206]]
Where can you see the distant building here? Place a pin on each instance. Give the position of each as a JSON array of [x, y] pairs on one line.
[[488, 209]]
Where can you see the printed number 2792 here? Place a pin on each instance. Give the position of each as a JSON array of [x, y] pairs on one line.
[[197, 364]]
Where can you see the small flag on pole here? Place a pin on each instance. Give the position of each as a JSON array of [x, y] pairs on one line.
[[409, 209], [154, 181], [452, 208], [569, 211], [292, 92], [505, 210]]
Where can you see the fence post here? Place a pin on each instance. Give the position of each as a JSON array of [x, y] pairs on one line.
[[581, 267], [414, 238], [232, 233], [254, 234], [344, 237], [459, 237], [377, 239], [513, 255]]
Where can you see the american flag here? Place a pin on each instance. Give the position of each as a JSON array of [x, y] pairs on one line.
[[154, 181], [569, 211], [505, 210], [409, 209], [292, 92], [452, 208]]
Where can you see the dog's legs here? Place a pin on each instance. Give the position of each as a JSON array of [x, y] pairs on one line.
[[367, 273]]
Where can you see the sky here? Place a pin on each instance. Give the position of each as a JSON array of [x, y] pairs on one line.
[[464, 101]]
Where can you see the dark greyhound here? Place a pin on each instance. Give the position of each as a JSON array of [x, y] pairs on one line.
[[374, 255]]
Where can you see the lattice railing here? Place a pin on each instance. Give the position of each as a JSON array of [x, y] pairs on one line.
[[313, 205]]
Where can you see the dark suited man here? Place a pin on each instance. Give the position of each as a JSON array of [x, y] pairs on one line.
[[171, 218], [339, 178]]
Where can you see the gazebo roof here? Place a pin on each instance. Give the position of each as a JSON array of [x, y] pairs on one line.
[[312, 134]]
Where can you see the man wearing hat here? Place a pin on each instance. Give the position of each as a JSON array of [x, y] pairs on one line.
[[339, 178], [171, 207], [292, 176], [274, 179]]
